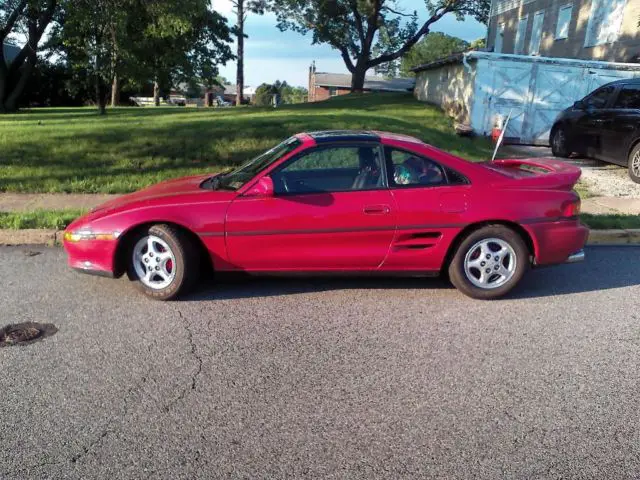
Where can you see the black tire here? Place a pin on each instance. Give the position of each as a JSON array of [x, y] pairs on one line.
[[458, 275], [558, 141], [634, 164], [186, 262]]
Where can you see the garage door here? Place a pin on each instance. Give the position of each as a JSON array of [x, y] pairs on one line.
[[509, 94], [554, 88]]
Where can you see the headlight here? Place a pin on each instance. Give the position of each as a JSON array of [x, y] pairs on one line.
[[89, 235]]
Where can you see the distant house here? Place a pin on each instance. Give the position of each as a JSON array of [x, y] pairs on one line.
[[324, 85], [10, 52], [604, 30], [229, 94]]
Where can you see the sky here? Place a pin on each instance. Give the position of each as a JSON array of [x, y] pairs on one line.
[[272, 55]]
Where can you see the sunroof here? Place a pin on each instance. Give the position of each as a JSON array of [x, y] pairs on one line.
[[343, 135]]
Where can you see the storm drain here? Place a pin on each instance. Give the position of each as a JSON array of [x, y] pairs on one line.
[[25, 333]]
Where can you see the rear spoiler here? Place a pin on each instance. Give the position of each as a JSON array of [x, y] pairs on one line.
[[547, 173]]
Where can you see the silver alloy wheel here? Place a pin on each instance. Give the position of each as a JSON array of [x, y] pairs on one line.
[[635, 164], [490, 263], [558, 140], [154, 262]]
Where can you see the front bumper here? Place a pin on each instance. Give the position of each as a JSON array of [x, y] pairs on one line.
[[96, 257]]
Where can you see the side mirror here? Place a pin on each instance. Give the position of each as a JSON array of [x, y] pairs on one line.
[[579, 105], [264, 188]]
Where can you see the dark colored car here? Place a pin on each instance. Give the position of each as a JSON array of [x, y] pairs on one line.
[[603, 125]]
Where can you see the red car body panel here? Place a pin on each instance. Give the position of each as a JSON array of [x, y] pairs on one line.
[[389, 229]]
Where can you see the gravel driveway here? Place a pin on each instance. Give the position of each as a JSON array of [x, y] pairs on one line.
[[606, 180], [603, 180], [323, 378]]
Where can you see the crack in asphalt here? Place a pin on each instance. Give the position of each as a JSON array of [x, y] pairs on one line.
[[107, 430], [194, 377]]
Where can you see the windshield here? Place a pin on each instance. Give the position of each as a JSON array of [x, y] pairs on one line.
[[235, 179]]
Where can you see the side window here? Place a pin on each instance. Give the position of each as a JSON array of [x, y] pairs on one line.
[[629, 97], [599, 98], [409, 170], [331, 169]]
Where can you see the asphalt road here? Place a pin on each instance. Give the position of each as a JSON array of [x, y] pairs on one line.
[[324, 378]]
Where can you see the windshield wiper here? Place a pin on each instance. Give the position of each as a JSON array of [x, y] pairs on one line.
[[215, 180]]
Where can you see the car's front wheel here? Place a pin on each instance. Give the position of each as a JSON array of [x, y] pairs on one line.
[[489, 262], [634, 164], [162, 262], [559, 144]]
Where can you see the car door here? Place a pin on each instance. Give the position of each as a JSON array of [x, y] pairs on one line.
[[431, 200], [588, 126], [621, 129], [331, 210]]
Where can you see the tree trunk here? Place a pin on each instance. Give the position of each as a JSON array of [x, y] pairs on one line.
[[357, 78], [101, 95], [240, 65], [156, 93], [11, 100], [115, 90]]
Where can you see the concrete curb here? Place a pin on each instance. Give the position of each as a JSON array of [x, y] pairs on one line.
[[30, 237], [54, 237]]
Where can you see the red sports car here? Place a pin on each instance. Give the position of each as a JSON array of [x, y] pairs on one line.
[[341, 201]]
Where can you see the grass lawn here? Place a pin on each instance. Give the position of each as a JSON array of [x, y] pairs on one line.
[[610, 221], [75, 150], [55, 219]]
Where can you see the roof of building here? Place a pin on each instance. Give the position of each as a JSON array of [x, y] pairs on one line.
[[232, 89], [474, 55], [343, 80], [10, 52]]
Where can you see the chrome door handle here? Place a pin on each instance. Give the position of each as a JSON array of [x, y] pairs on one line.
[[376, 209]]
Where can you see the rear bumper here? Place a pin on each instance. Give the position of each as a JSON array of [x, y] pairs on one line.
[[576, 257], [558, 242]]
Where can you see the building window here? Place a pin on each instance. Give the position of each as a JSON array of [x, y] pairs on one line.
[[497, 47], [564, 21], [605, 20], [520, 35], [536, 33], [333, 91]]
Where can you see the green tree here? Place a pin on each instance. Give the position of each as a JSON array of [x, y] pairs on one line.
[[164, 41], [479, 44], [29, 18], [91, 33], [353, 27], [434, 46], [264, 95], [182, 39], [291, 95]]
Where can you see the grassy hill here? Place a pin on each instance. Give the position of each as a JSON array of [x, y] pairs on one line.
[[75, 150]]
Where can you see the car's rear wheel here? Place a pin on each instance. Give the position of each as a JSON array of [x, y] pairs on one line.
[[559, 144], [634, 164], [489, 262], [162, 262]]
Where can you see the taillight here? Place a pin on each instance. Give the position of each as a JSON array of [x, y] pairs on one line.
[[571, 209]]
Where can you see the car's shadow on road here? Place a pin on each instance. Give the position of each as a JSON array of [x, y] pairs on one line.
[[605, 268]]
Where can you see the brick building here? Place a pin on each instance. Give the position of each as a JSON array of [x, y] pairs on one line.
[[582, 29], [323, 85]]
